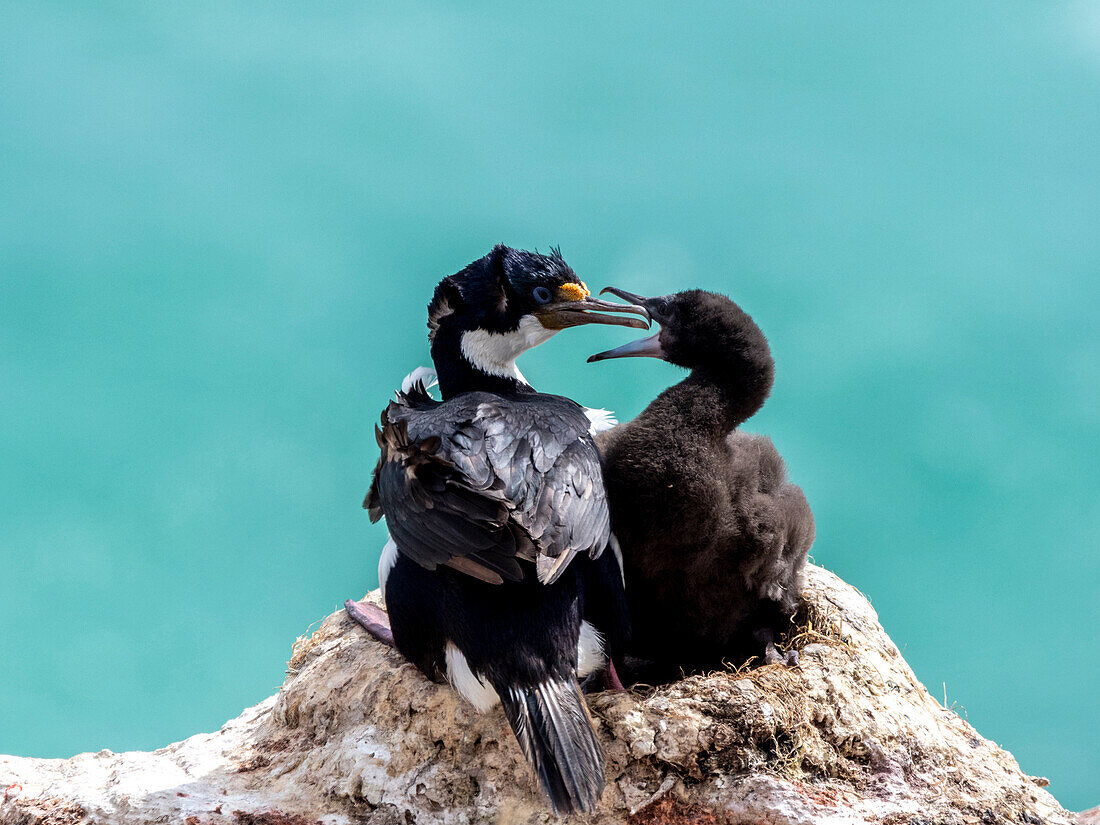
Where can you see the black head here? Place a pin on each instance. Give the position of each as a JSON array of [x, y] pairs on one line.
[[502, 305], [698, 329]]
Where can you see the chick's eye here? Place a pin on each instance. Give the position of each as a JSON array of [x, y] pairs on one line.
[[541, 294]]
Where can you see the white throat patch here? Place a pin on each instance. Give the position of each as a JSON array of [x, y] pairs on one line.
[[495, 353]]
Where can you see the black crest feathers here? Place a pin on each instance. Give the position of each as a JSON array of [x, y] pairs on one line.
[[486, 275], [446, 301]]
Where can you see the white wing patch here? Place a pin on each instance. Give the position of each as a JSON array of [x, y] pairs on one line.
[[590, 655], [421, 375], [600, 420], [385, 564], [468, 684], [613, 542]]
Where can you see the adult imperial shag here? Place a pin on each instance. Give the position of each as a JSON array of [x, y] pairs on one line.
[[489, 495], [714, 537]]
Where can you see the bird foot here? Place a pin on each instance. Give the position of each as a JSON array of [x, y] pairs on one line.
[[372, 619], [611, 677], [601, 680], [774, 657]]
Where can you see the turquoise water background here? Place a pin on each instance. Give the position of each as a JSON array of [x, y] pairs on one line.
[[220, 224]]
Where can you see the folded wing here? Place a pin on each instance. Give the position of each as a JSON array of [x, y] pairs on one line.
[[481, 482]]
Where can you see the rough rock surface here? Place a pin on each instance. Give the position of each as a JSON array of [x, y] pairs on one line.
[[356, 735]]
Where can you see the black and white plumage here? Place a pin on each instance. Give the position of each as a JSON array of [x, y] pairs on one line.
[[495, 577], [714, 537]]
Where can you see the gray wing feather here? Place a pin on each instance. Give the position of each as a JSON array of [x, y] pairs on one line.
[[490, 480]]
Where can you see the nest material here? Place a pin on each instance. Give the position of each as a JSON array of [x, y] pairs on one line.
[[356, 735]]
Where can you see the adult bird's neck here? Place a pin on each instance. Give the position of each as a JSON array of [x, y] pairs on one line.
[[458, 374]]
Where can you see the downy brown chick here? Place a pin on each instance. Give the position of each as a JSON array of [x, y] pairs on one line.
[[714, 538]]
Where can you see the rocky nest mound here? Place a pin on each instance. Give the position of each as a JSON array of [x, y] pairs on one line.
[[357, 735]]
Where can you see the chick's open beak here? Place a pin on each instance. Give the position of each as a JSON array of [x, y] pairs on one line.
[[633, 298], [649, 347], [584, 311]]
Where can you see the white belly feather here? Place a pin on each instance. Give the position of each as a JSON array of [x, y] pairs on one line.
[[478, 692]]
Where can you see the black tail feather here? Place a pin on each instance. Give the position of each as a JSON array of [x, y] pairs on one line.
[[553, 729]]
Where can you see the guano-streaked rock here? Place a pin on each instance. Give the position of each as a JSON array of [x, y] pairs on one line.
[[357, 735]]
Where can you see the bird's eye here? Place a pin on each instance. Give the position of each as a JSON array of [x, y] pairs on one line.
[[541, 294]]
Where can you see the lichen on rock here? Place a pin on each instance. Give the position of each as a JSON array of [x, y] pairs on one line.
[[356, 734]]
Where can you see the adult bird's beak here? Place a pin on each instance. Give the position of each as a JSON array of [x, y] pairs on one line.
[[648, 347], [581, 308]]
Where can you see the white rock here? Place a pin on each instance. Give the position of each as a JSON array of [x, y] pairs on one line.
[[358, 735]]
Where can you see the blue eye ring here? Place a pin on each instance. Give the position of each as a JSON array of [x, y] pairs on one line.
[[541, 294]]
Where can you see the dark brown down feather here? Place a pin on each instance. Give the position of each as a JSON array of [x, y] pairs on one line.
[[713, 535]]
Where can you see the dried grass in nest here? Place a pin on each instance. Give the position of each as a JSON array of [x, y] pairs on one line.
[[302, 646]]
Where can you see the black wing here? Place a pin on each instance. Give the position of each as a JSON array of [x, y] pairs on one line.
[[480, 481]]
